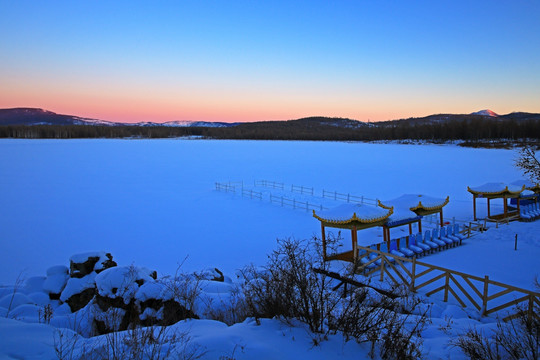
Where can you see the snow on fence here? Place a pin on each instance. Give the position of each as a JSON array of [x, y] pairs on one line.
[[295, 204], [226, 187], [252, 194], [302, 189], [349, 198], [238, 188], [270, 184], [484, 294]]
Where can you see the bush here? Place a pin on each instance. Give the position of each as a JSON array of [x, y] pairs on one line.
[[289, 288], [517, 339]]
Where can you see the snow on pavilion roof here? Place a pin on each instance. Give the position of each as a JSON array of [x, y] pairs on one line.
[[349, 213], [496, 188], [402, 216], [415, 202], [529, 185]]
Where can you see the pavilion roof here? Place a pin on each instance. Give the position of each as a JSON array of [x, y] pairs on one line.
[[496, 188], [402, 216], [415, 202], [529, 185], [353, 213]]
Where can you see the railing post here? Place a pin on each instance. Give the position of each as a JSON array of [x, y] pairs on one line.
[[382, 267], [485, 296], [446, 283], [530, 312], [413, 274]]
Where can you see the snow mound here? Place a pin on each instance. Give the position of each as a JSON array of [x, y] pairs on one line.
[[78, 285], [122, 281]]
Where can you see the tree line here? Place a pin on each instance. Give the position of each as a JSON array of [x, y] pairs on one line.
[[469, 131]]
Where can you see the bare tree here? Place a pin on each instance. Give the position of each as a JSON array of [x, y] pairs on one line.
[[528, 162]]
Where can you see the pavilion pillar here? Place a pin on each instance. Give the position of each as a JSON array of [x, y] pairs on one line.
[[323, 231], [420, 226], [441, 218], [474, 206], [519, 212], [505, 206], [354, 243], [410, 228], [489, 208]]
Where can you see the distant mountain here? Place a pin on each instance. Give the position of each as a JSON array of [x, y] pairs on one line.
[[309, 125], [34, 116], [486, 112], [476, 116]]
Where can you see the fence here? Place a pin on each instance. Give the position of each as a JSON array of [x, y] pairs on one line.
[[252, 194], [227, 187], [349, 198], [302, 189], [295, 204], [238, 188], [270, 184], [486, 295]]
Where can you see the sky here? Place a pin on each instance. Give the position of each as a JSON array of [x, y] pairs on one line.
[[234, 61]]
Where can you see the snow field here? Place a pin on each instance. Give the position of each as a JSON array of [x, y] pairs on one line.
[[153, 203]]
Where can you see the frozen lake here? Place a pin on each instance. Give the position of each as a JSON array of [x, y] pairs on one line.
[[153, 202]]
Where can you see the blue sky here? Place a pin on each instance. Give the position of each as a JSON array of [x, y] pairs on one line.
[[241, 61]]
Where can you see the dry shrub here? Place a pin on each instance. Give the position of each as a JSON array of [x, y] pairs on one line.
[[289, 288]]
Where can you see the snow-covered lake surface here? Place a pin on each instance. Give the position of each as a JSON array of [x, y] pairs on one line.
[[154, 203]]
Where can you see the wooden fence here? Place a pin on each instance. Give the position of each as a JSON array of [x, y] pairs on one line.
[[302, 189], [486, 295], [349, 198], [270, 184], [295, 204]]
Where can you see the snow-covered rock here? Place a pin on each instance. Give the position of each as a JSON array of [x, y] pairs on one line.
[[79, 291], [83, 264], [122, 281], [57, 278]]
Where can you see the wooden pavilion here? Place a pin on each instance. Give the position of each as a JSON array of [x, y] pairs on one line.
[[420, 205], [353, 217], [529, 185], [502, 191]]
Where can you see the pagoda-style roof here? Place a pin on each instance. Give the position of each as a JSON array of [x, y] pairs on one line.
[[416, 202], [349, 215], [496, 190], [402, 216], [528, 194], [529, 185]]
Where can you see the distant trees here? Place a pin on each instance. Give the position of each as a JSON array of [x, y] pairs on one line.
[[474, 131]]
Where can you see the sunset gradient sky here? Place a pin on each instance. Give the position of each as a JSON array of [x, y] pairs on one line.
[[269, 60]]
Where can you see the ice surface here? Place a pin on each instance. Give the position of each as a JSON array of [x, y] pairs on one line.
[[157, 205]]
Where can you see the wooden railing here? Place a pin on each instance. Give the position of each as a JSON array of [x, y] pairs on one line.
[[486, 295]]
